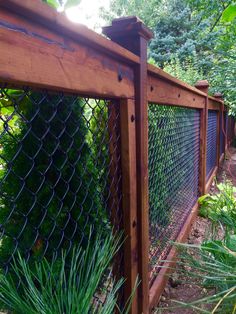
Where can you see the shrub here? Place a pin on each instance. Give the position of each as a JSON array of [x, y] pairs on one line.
[[49, 183]]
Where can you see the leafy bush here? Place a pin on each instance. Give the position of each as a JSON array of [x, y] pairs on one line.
[[49, 183], [220, 208]]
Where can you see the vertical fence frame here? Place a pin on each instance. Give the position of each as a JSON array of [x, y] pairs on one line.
[[123, 74], [133, 35]]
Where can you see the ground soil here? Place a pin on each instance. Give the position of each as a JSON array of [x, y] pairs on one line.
[[177, 288]]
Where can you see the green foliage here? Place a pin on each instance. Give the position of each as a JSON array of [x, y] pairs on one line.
[[213, 265], [62, 5], [44, 180], [186, 71], [221, 208], [65, 290], [229, 13], [147, 11], [198, 32]]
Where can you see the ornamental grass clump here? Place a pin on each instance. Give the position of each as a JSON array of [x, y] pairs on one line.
[[68, 289], [212, 264]]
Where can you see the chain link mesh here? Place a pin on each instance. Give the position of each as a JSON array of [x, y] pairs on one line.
[[211, 157], [222, 135], [230, 128], [174, 137], [60, 174]]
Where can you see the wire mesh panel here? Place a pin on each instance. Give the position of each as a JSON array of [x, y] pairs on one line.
[[174, 136], [230, 129], [211, 157], [222, 134], [60, 177]]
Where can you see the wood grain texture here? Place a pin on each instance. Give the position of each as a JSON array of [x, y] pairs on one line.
[[37, 57], [42, 14], [157, 72], [129, 199], [214, 104], [165, 92]]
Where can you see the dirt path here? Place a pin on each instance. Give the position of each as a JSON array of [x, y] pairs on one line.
[[176, 288]]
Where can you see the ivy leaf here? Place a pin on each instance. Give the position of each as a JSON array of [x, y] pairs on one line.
[[229, 14], [71, 3]]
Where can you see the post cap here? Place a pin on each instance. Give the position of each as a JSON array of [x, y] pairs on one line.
[[218, 95], [124, 26], [202, 85]]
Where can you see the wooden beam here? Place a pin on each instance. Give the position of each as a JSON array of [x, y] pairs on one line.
[[159, 73], [32, 55], [37, 12], [129, 200], [132, 34], [165, 92], [213, 104]]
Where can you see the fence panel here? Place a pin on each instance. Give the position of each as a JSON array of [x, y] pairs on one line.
[[230, 129], [174, 148], [60, 176], [222, 134], [211, 159]]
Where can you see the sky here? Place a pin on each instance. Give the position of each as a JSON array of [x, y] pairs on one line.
[[87, 13]]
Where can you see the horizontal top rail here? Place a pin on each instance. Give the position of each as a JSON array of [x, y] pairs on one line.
[[155, 71], [43, 14], [63, 55]]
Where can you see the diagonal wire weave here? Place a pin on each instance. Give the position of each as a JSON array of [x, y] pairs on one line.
[[174, 135], [211, 157], [60, 174]]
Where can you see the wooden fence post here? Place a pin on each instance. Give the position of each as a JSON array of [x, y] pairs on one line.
[[203, 86], [132, 34]]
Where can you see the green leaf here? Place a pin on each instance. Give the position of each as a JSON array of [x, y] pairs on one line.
[[231, 242], [53, 3], [229, 14], [202, 198], [71, 3]]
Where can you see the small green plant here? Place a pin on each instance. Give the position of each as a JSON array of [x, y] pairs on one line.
[[69, 289], [220, 208]]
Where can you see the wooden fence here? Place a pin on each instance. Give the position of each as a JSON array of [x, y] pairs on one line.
[[42, 50]]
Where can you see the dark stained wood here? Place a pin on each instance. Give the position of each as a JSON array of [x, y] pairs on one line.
[[125, 31], [36, 57], [162, 278], [129, 193], [165, 92], [214, 104]]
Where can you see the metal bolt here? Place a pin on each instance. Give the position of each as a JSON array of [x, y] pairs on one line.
[[120, 77]]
